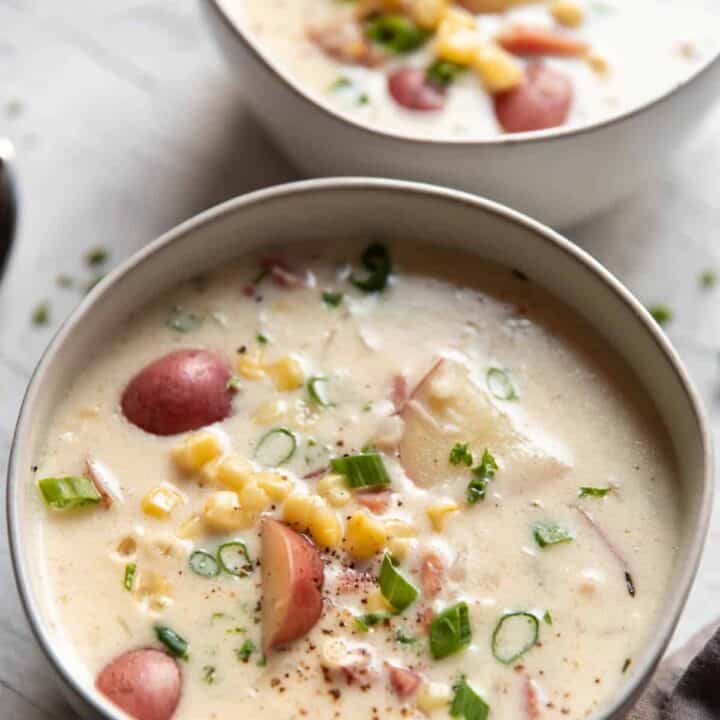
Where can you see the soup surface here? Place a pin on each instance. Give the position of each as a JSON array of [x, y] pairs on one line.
[[357, 483], [475, 68]]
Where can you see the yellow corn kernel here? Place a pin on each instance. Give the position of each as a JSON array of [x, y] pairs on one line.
[[222, 513], [376, 602], [325, 527], [429, 13], [189, 529], [298, 510], [234, 472], [150, 583], [567, 12], [333, 488], [286, 373], [277, 486], [160, 501], [364, 536], [250, 366], [498, 69], [193, 451], [457, 38], [433, 696], [253, 498], [438, 513], [208, 472], [597, 63], [399, 528], [399, 547], [270, 412]]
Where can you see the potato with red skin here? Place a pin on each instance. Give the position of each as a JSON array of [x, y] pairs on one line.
[[410, 88], [182, 391], [292, 582], [541, 101], [405, 683], [144, 683]]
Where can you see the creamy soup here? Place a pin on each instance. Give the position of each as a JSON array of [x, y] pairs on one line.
[[476, 68], [359, 483]]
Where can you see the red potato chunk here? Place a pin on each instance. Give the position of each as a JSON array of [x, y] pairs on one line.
[[542, 101], [432, 575], [374, 500], [144, 683], [292, 582], [404, 682], [182, 391], [410, 88], [524, 40]]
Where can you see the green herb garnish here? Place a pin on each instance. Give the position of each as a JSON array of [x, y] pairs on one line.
[[41, 314], [203, 563], [514, 635], [396, 33], [547, 618], [403, 638], [661, 314], [364, 470], [460, 455], [233, 383], [467, 703], [500, 384], [245, 650], [96, 256], [182, 321], [708, 279], [68, 493], [377, 264], [317, 390], [234, 559], [450, 631], [262, 339], [64, 281], [586, 491], [484, 472], [333, 299], [209, 674], [398, 591], [341, 82], [176, 645], [547, 534], [276, 447], [129, 577], [444, 72], [363, 99], [366, 621]]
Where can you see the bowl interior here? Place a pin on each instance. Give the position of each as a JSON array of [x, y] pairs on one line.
[[373, 209]]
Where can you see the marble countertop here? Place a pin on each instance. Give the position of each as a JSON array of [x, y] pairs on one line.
[[126, 122]]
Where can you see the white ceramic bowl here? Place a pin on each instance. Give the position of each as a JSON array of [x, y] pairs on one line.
[[559, 176], [362, 208]]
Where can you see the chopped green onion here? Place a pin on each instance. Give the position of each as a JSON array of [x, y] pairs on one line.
[[68, 493], [317, 390], [366, 621], [261, 338], [444, 72], [467, 703], [395, 588], [460, 455], [183, 321], [547, 617], [245, 650], [593, 491], [550, 534], [661, 314], [500, 384], [333, 299], [176, 645], [233, 558], [96, 256], [364, 470], [341, 82], [129, 577], [396, 33], [203, 563], [708, 279], [276, 447], [481, 474], [363, 99], [514, 635], [209, 674], [41, 314], [377, 263], [403, 638], [450, 631]]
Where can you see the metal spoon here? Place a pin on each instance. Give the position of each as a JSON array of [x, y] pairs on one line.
[[8, 201]]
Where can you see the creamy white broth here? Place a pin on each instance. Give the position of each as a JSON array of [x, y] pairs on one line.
[[578, 416], [648, 47]]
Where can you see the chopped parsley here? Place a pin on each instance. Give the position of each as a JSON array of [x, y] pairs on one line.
[[547, 534], [262, 339], [708, 279], [396, 33], [129, 577], [245, 650], [403, 638], [64, 281], [547, 618], [460, 455], [183, 321], [484, 472], [363, 99], [233, 383], [378, 266], [333, 299], [341, 82], [96, 256], [593, 491], [444, 72], [41, 314], [661, 314], [209, 674], [368, 620]]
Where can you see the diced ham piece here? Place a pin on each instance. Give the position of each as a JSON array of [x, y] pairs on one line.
[[532, 700], [281, 274], [432, 574], [375, 501], [541, 101], [399, 392], [410, 88], [404, 682], [527, 40]]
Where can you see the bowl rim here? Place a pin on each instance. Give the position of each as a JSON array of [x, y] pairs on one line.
[[535, 136], [656, 645]]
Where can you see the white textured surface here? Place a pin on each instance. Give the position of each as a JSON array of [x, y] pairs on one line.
[[126, 122]]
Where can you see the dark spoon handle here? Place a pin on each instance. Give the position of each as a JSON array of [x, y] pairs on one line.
[[8, 202]]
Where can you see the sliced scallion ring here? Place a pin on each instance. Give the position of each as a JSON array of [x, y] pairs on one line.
[[234, 559], [514, 635], [276, 447], [499, 384], [203, 563], [317, 390]]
